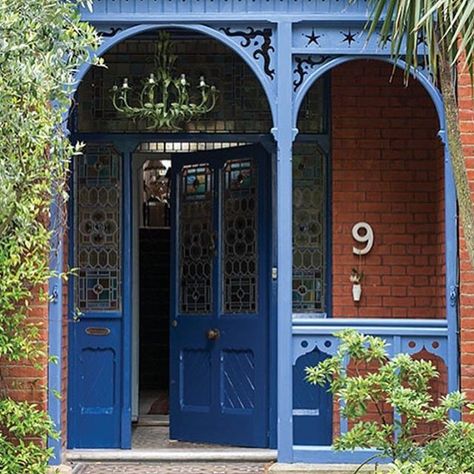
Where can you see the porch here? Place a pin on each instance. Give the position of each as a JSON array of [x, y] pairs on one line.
[[345, 147]]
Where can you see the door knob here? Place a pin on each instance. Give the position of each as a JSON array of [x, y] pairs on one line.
[[213, 334]]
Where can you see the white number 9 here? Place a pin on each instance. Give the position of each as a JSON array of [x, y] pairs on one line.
[[366, 238]]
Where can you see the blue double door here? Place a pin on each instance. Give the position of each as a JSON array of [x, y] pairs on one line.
[[219, 320]]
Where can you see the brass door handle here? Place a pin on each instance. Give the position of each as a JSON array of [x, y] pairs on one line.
[[213, 334]]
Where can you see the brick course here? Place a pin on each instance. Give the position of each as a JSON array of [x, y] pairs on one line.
[[387, 168], [466, 115]]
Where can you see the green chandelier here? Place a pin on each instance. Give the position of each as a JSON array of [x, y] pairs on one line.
[[166, 101]]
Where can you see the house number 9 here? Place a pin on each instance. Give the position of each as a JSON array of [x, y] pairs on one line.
[[366, 237]]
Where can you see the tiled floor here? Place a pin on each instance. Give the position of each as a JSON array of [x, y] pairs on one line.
[[157, 437], [171, 468]]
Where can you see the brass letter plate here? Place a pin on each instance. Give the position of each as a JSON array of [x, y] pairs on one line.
[[97, 331]]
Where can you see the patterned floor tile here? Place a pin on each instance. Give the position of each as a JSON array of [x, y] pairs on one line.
[[171, 468]]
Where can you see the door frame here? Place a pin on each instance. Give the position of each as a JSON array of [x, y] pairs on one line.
[[127, 145]]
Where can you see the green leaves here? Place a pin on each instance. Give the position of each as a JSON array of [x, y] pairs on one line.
[[424, 29], [372, 388], [42, 44]]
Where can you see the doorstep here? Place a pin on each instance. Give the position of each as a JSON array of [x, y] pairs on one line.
[[171, 455]]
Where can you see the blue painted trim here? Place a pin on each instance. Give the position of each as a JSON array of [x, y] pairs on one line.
[[381, 322], [235, 17], [217, 35], [273, 305], [314, 328], [55, 315], [127, 254], [432, 91], [284, 135], [452, 273]]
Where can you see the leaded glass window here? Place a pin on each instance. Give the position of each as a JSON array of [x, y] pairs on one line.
[[240, 251], [98, 219], [197, 240], [242, 104], [308, 229]]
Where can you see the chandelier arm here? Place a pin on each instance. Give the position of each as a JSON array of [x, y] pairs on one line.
[[114, 102]]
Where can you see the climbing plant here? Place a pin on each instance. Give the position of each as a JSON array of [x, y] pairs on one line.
[[42, 43]]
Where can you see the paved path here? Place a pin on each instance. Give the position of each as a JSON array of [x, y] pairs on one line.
[[170, 468]]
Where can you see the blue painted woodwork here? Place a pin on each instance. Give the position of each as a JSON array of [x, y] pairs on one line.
[[294, 43], [96, 376], [312, 405], [99, 407], [218, 388], [55, 332]]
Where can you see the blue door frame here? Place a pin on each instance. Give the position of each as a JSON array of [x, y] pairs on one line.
[[87, 433], [294, 62]]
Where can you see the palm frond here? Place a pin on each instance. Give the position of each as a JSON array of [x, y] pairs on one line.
[[425, 28]]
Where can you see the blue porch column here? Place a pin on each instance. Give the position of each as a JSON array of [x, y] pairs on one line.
[[55, 331], [284, 134]]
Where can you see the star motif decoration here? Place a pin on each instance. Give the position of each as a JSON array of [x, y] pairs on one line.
[[313, 38], [349, 37]]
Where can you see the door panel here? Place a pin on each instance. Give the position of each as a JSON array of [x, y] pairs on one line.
[[219, 324], [96, 415], [96, 367]]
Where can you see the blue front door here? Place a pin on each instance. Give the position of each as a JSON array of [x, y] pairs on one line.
[[219, 317]]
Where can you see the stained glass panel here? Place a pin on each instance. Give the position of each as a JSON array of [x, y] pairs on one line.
[[196, 242], [308, 229], [240, 262], [98, 216], [242, 104]]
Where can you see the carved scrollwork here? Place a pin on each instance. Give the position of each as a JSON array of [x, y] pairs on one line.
[[263, 49], [301, 69]]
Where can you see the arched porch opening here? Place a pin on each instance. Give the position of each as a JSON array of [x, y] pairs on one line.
[[115, 222], [382, 163]]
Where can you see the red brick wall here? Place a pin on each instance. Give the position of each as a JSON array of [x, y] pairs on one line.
[[22, 381], [387, 167], [466, 115]]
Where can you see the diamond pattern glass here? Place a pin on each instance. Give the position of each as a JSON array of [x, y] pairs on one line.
[[240, 262]]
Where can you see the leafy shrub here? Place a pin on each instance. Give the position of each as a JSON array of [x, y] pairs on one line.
[[42, 44], [403, 385]]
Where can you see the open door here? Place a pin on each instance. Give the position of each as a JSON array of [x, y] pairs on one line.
[[219, 302]]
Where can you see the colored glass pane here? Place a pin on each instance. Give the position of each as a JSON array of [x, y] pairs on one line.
[[98, 216], [308, 229]]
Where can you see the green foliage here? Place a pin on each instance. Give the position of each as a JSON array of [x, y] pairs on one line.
[[23, 425], [42, 44], [446, 25], [402, 384], [452, 452]]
